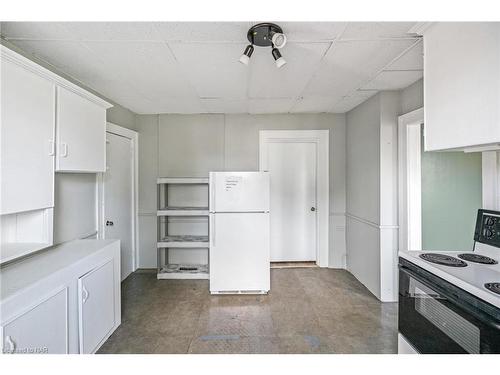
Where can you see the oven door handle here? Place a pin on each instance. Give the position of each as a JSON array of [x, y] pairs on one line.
[[461, 302]]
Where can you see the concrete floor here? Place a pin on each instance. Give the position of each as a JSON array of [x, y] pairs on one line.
[[309, 310]]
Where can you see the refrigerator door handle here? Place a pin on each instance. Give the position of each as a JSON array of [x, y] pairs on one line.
[[212, 193], [212, 229]]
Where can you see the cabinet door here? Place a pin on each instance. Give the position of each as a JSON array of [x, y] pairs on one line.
[[27, 140], [462, 85], [96, 307], [81, 134], [42, 329]]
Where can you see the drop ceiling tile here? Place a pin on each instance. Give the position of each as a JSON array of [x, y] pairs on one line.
[[275, 105], [176, 106], [133, 101], [348, 65], [203, 31], [267, 81], [70, 57], [108, 31], [36, 30], [313, 104], [213, 68], [393, 80], [150, 67], [219, 105], [130, 64], [349, 102], [376, 30], [312, 31], [413, 59]]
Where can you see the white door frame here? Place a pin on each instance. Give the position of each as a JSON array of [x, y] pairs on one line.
[[134, 138], [410, 190], [321, 139], [491, 179]]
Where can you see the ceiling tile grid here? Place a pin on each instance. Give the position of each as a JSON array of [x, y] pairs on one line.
[[192, 67]]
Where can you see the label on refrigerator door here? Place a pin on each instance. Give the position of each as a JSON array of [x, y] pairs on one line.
[[233, 182], [232, 185]]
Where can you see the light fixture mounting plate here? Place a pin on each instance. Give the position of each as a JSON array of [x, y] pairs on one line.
[[261, 34]]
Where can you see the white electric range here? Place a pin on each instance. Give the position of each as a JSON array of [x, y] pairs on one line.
[[449, 301]]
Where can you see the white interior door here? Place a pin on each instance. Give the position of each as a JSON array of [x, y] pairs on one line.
[[118, 198], [292, 166]]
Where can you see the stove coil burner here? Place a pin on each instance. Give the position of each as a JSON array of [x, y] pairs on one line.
[[442, 259], [476, 258], [493, 287]]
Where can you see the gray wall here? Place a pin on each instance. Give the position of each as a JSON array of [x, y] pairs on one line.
[[371, 194], [412, 97], [193, 145], [147, 126]]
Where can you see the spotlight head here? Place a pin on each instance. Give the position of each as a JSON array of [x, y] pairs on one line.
[[279, 40], [245, 58], [278, 59]]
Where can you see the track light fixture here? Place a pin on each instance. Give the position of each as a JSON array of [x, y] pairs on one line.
[[245, 58], [278, 59], [265, 35]]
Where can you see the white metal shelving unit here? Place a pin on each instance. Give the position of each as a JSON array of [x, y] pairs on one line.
[[166, 241]]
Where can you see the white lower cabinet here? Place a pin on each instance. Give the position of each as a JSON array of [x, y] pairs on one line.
[[64, 300], [96, 308], [43, 328]]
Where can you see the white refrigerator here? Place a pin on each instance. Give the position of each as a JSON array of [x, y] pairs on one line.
[[239, 232]]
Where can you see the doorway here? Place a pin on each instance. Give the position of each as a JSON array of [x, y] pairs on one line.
[[118, 194], [440, 192], [298, 165]]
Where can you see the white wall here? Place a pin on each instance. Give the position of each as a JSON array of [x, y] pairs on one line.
[[193, 145], [371, 195]]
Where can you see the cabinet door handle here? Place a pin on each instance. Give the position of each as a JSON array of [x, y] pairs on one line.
[[52, 148], [11, 344], [85, 294], [64, 152]]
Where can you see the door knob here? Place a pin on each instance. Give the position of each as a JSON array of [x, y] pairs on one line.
[[313, 208], [109, 223]]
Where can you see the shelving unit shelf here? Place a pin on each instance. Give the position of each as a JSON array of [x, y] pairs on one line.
[[180, 241], [167, 241], [183, 211], [183, 271]]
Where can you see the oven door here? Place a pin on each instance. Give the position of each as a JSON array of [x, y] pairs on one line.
[[437, 317]]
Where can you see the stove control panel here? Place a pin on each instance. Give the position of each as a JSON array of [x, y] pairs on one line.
[[488, 227]]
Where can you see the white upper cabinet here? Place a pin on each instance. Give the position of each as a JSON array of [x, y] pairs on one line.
[[81, 134], [48, 124], [461, 85], [27, 139]]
